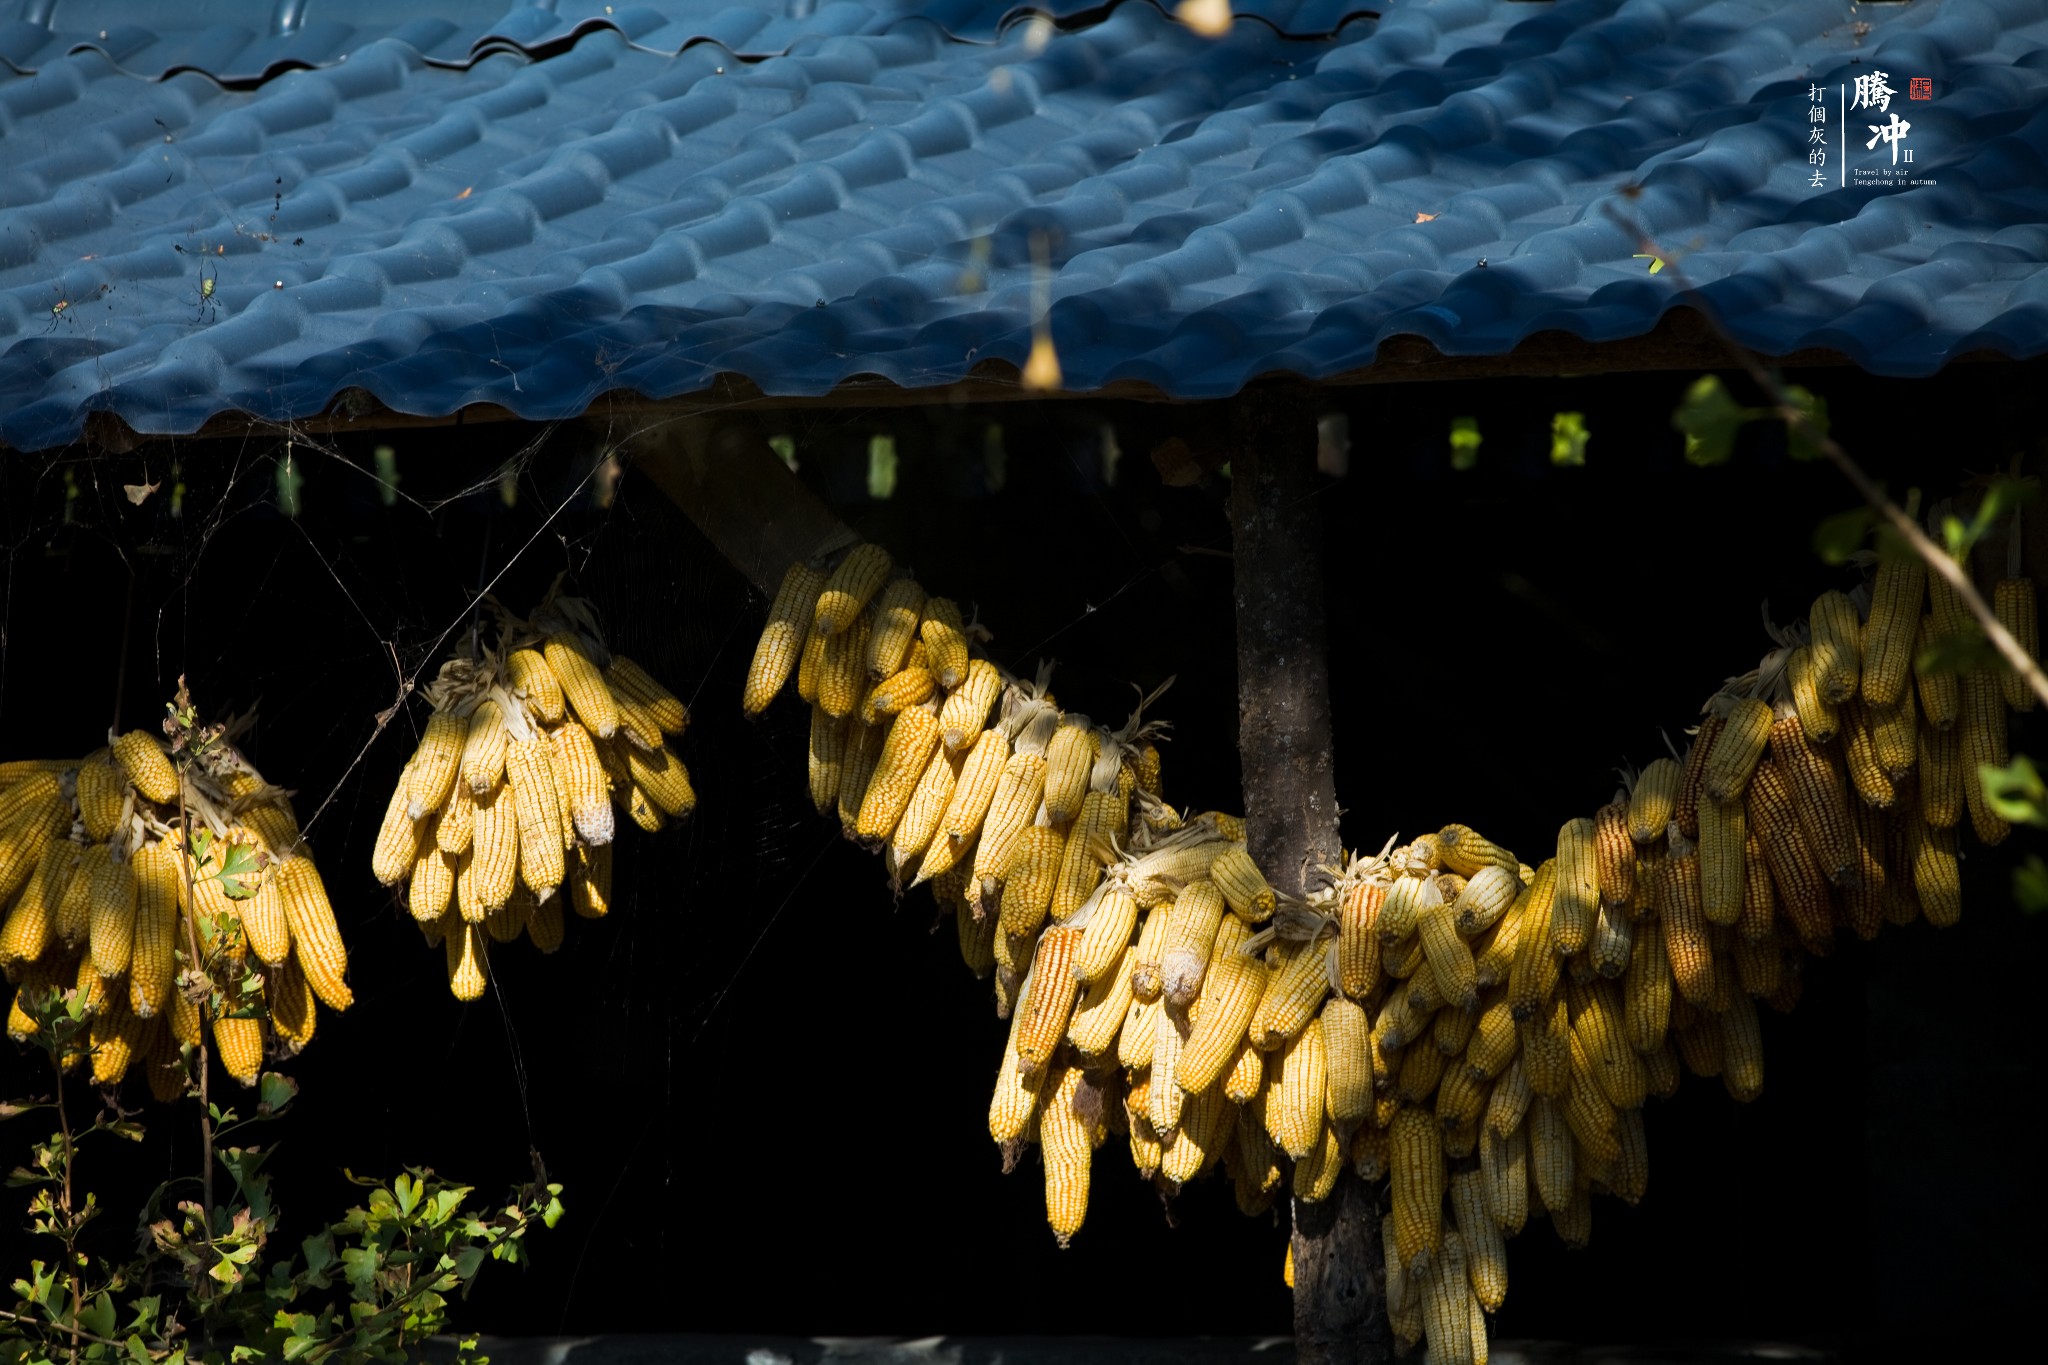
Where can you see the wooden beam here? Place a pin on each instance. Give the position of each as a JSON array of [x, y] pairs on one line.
[[1290, 807]]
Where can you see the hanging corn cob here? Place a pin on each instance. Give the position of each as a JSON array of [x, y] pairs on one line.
[[533, 748], [1438, 1001], [164, 878]]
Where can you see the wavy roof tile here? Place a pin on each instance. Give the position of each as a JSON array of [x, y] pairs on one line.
[[532, 208]]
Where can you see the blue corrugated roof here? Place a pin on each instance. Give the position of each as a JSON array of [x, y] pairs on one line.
[[572, 209]]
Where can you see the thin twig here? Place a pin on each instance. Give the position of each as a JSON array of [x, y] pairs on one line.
[[1937, 560], [77, 1332]]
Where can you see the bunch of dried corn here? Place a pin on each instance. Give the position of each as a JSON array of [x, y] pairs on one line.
[[169, 897], [1439, 1003], [509, 797]]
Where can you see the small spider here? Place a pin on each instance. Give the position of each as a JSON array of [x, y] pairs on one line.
[[206, 284], [61, 310]]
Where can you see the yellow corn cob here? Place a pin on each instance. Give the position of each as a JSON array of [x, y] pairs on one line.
[[1294, 992], [151, 964], [528, 675], [293, 1013], [945, 640], [102, 787], [1551, 1166], [1315, 1175], [29, 794], [1104, 1004], [1685, 926], [1533, 979], [1491, 893], [397, 837], [1508, 1104], [115, 1037], [810, 667], [24, 842], [1297, 1094], [1015, 801], [850, 588], [240, 1045], [1049, 995], [1504, 1169], [1460, 1101], [1243, 886], [468, 961], [1358, 937], [590, 881], [920, 821], [1759, 902], [583, 685], [896, 694], [1255, 1167], [142, 758], [483, 748], [782, 638], [1589, 1114], [1896, 596], [315, 940], [1014, 1105], [33, 922], [1087, 848], [1485, 1249], [1029, 878], [1416, 1079], [485, 881], [1742, 1050], [505, 923], [1231, 990], [1982, 725], [906, 751], [1109, 929], [71, 912], [1863, 896], [1069, 758], [1405, 900], [1614, 854], [430, 775], [1493, 1042], [897, 608], [1663, 1070], [663, 777], [111, 900], [1147, 972], [1465, 851], [1449, 957], [1699, 1042], [1169, 1036], [637, 725], [431, 892], [1207, 1127], [1651, 800], [1817, 716], [1724, 832], [1936, 876], [1837, 646], [457, 825], [1190, 936], [1802, 886], [1758, 966], [1598, 1022], [1064, 1141], [966, 710], [629, 680], [1607, 949], [1646, 989], [1347, 1051], [1938, 689], [830, 739], [1941, 776], [961, 824], [2012, 601], [582, 783], [1415, 1158], [1140, 1030], [1859, 747], [977, 936], [1894, 736], [1736, 750], [1578, 888], [544, 924]]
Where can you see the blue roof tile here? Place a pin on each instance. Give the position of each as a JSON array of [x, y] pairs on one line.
[[531, 207]]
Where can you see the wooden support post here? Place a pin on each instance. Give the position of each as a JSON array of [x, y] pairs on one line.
[[1290, 807]]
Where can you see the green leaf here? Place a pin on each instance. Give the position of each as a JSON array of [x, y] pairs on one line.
[[360, 1264], [277, 1094], [1465, 440], [881, 467], [387, 474], [1798, 442], [1568, 437], [2015, 792], [240, 872], [468, 1261], [1842, 535], [408, 1193], [97, 1315], [2030, 884], [784, 448], [1709, 417], [202, 843]]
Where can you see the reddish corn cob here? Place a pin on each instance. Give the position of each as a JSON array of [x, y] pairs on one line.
[[1685, 811], [1646, 989], [1049, 996], [1819, 797], [1614, 854], [1802, 888], [1358, 939], [1685, 925]]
